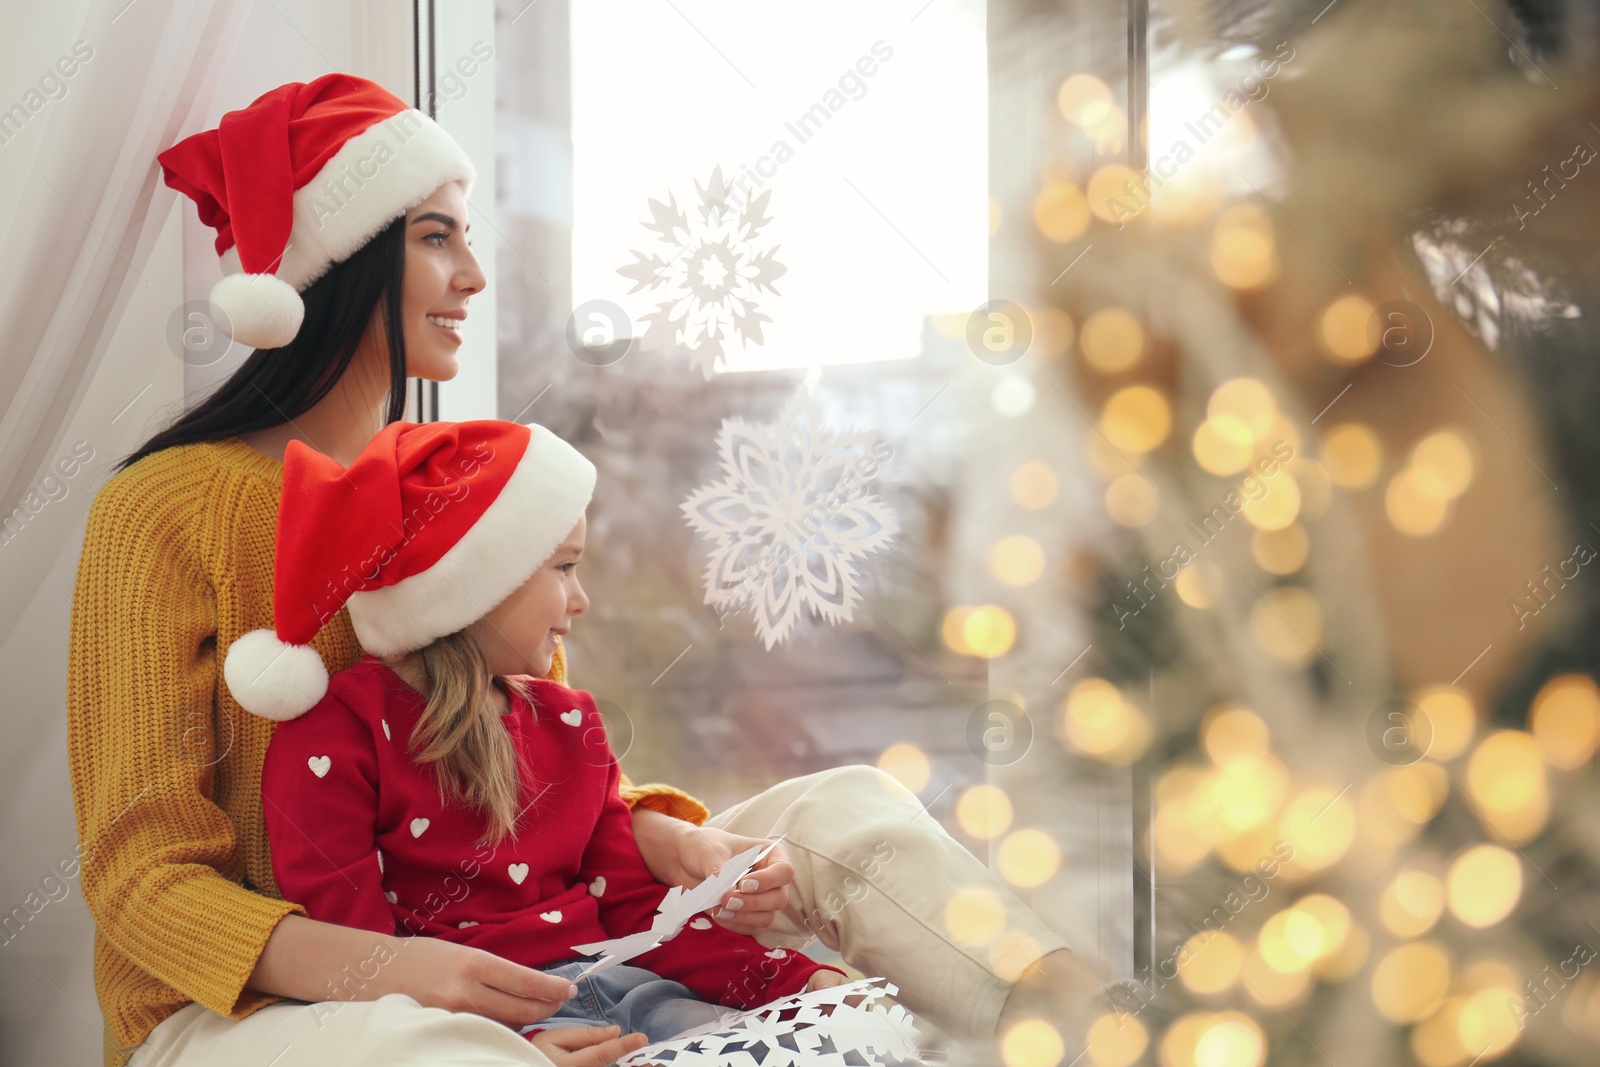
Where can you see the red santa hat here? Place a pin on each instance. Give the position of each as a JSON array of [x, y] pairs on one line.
[[432, 526], [300, 180]]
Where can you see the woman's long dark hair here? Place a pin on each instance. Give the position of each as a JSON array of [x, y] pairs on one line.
[[276, 384]]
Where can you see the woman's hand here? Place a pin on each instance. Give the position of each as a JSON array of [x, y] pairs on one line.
[[304, 959], [680, 853], [586, 1046]]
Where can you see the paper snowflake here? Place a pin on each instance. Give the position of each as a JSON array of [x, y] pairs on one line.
[[708, 274], [789, 519], [815, 1029]]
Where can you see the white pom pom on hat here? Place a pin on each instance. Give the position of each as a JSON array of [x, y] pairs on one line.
[[272, 678], [259, 310]]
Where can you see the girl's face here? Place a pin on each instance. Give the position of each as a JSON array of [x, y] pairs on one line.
[[440, 274], [521, 634]]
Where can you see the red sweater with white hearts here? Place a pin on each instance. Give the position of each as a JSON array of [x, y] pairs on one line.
[[360, 836]]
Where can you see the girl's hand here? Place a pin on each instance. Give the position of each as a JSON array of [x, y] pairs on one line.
[[680, 853], [824, 978], [586, 1046]]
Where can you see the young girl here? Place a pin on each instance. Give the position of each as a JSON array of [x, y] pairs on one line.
[[440, 788]]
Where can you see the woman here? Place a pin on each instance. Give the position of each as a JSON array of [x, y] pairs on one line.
[[350, 272]]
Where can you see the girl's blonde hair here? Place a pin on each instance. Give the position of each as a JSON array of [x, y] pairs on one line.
[[459, 732]]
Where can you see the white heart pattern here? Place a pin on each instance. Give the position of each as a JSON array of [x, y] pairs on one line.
[[380, 861], [778, 953], [701, 923], [550, 916], [517, 871], [418, 826], [319, 765], [572, 718], [464, 923], [386, 732], [597, 888], [391, 897]]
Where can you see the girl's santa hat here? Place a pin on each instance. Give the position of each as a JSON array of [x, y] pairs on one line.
[[431, 527], [300, 180]]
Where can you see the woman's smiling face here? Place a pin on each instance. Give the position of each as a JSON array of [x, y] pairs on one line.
[[441, 273]]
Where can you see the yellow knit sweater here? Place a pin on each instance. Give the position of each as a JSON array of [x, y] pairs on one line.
[[166, 769]]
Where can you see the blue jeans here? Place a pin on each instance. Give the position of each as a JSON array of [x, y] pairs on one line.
[[637, 1000]]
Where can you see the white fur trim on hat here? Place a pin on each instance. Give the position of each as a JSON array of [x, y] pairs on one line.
[[375, 177], [273, 679], [540, 504], [258, 310]]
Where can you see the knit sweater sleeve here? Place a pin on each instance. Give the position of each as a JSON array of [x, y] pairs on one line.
[[142, 677]]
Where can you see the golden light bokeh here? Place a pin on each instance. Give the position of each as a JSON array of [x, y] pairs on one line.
[[1443, 463], [1136, 419], [984, 811], [1116, 1040], [1291, 941], [1061, 212], [1016, 560], [1230, 1039], [1229, 730], [907, 764], [1411, 904], [974, 916], [1083, 99], [1352, 455], [1346, 961], [1097, 721], [1281, 551], [1342, 330], [1410, 981], [1287, 623], [1034, 485], [988, 631], [1241, 410], [1115, 193], [1319, 823], [1248, 789], [1506, 778], [1053, 332], [1412, 507], [1451, 717], [1199, 584], [1270, 987], [1028, 858], [1032, 1043], [1132, 500], [1185, 825], [1217, 454], [1483, 885], [1243, 250], [1488, 1021], [1274, 508], [1210, 962], [1112, 340], [1565, 720]]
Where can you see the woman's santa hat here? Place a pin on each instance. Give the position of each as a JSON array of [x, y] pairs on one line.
[[432, 526], [300, 180]]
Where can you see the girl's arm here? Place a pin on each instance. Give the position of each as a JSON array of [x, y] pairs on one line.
[[680, 853]]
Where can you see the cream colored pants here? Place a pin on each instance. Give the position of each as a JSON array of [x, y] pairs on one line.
[[873, 874]]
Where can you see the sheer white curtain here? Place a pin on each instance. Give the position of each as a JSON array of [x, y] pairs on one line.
[[78, 177], [81, 207]]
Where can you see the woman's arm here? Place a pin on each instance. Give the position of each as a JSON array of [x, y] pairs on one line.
[[314, 961]]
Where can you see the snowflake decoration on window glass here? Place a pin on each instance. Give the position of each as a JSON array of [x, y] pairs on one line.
[[708, 273], [791, 517]]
